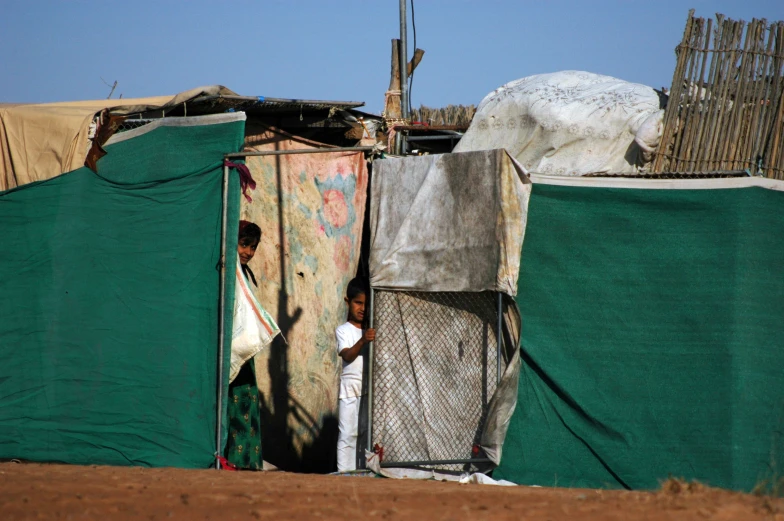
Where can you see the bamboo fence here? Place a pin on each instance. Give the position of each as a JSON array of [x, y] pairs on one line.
[[725, 110], [453, 115]]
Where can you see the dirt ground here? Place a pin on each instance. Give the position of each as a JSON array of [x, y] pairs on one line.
[[33, 491]]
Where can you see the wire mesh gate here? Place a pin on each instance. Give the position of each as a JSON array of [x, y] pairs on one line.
[[435, 367]]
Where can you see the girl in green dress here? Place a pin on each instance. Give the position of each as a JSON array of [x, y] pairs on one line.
[[243, 448]]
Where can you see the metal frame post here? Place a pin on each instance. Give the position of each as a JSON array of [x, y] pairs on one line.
[[299, 151], [370, 380], [499, 339], [403, 57], [221, 313]]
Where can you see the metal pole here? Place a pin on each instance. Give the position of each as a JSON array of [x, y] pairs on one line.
[[298, 151], [221, 313], [434, 138], [403, 56], [370, 381], [499, 338]]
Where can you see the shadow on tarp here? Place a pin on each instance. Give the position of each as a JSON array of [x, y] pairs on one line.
[[319, 455]]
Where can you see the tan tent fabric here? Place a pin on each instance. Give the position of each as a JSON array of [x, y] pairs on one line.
[[41, 141]]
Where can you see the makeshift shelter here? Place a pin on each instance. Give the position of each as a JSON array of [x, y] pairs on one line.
[[307, 249], [652, 334], [310, 206], [40, 141], [111, 300], [445, 238]]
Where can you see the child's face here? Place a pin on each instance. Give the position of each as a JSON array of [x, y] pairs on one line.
[[246, 249], [356, 308]]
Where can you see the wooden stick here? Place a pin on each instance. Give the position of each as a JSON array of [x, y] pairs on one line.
[[661, 163], [688, 105], [694, 114], [739, 109], [729, 67], [752, 141], [704, 131], [771, 76], [776, 155], [776, 93]]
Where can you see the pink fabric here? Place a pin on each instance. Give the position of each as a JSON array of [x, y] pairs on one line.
[[246, 180]]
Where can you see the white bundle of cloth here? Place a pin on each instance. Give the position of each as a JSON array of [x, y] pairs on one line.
[[253, 328], [570, 123]]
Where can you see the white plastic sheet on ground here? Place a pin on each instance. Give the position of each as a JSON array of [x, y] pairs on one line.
[[477, 478], [254, 328], [569, 123]]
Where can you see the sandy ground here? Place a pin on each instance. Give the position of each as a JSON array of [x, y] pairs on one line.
[[33, 491]]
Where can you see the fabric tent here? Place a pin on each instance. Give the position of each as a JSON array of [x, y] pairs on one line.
[[109, 330], [652, 334], [40, 141]]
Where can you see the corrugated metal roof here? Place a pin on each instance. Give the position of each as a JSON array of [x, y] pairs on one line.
[[263, 104]]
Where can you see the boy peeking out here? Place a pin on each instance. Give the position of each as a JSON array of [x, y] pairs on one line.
[[351, 343]]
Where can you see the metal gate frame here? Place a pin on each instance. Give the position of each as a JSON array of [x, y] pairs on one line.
[[499, 371]]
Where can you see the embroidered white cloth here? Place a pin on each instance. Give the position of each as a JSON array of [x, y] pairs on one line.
[[569, 123]]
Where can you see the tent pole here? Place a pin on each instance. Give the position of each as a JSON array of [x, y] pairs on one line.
[[499, 338], [221, 313], [403, 56], [300, 151], [370, 381]]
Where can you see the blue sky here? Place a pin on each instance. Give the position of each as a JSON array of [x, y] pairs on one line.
[[334, 49]]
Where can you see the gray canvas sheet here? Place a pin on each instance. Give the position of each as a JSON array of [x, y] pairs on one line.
[[452, 222]]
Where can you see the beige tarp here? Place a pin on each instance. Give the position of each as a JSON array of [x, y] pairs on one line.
[[41, 141]]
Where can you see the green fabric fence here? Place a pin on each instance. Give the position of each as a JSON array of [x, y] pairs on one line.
[[109, 302], [652, 338]]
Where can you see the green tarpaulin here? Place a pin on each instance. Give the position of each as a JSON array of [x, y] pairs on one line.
[[652, 336], [109, 302]]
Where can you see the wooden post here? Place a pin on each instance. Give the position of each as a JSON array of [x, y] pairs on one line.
[[392, 112]]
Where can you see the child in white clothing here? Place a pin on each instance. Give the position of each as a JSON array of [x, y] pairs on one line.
[[351, 340]]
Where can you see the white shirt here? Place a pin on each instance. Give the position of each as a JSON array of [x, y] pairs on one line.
[[351, 377]]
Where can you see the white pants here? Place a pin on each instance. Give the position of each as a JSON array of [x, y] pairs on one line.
[[348, 421]]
